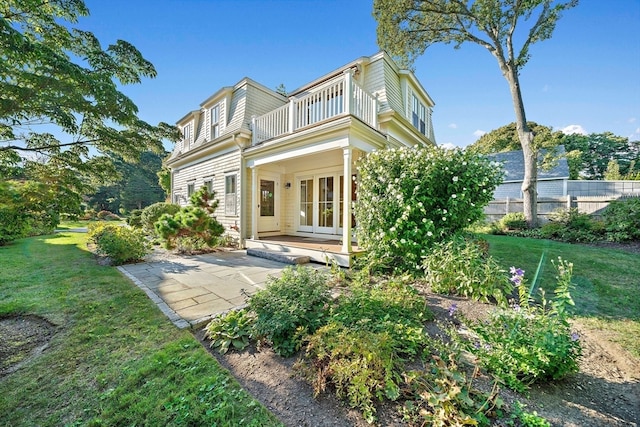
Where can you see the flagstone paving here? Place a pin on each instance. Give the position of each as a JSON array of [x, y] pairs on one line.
[[190, 290]]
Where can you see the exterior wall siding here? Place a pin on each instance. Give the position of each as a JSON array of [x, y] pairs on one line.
[[214, 168]]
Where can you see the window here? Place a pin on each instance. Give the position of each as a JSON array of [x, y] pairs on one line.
[[191, 187], [186, 134], [419, 115], [230, 194], [208, 183], [215, 121]]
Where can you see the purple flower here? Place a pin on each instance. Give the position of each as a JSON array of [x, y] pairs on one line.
[[516, 307], [575, 337], [453, 309], [477, 345], [516, 271]]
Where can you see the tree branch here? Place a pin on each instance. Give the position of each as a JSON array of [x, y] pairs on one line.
[[48, 147]]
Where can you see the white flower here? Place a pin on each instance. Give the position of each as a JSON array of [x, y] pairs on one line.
[[403, 241], [429, 234], [455, 179], [444, 211], [444, 218], [453, 196]]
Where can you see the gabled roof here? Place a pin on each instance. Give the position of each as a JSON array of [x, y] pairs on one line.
[[513, 164]]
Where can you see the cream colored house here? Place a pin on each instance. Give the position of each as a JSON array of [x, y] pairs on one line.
[[283, 168]]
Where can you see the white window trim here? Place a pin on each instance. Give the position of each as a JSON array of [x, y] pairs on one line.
[[227, 196]]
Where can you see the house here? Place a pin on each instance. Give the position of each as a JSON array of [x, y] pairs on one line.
[[552, 181], [284, 167]]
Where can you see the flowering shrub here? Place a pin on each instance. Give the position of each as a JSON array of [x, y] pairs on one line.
[[622, 220], [528, 343], [461, 267], [409, 198]]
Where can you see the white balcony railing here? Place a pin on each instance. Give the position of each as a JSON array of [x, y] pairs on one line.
[[323, 103]]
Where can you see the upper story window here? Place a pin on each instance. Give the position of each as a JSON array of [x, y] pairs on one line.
[[186, 134], [191, 188], [419, 115], [215, 121], [208, 182]]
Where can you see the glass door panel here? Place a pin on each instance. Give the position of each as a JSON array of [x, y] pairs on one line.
[[326, 204], [267, 194], [306, 205]]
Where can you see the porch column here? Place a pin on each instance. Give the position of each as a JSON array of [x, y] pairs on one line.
[[346, 191], [254, 203]]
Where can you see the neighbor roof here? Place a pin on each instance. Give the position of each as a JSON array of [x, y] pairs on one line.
[[513, 163]]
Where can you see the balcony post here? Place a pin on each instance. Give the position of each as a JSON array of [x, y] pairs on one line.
[[346, 212], [348, 90], [292, 115], [374, 118], [254, 131]]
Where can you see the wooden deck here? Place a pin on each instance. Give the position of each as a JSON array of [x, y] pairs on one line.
[[317, 248]]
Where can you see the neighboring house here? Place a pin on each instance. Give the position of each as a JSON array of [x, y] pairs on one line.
[[285, 166], [551, 182]]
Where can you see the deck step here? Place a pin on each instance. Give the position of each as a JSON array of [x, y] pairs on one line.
[[284, 257]]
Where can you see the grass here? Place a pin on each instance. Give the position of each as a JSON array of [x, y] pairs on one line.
[[607, 282], [115, 359]]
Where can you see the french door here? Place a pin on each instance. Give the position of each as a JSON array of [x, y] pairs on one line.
[[320, 203]]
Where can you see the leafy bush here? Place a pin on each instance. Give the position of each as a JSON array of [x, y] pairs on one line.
[[513, 221], [290, 307], [570, 225], [622, 220], [409, 199], [192, 227], [135, 218], [120, 244], [231, 330], [153, 212], [528, 343], [107, 216], [360, 351], [463, 267]]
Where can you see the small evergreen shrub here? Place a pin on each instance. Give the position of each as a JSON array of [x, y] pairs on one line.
[[232, 330], [622, 220], [191, 227], [411, 198], [153, 212], [528, 343], [135, 218], [120, 244], [291, 307], [513, 221], [463, 267]]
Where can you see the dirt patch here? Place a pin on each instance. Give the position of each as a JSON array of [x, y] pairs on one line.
[[606, 391], [22, 337]]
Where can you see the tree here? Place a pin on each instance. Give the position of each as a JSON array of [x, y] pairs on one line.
[[598, 149], [53, 76], [506, 138], [407, 28]]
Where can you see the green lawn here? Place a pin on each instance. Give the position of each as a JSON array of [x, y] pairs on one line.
[[115, 359], [607, 281]]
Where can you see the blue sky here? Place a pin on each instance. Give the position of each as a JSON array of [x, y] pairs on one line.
[[587, 77]]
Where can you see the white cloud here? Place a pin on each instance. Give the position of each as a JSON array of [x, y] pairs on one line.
[[447, 146], [453, 126], [479, 133], [632, 120], [572, 129]]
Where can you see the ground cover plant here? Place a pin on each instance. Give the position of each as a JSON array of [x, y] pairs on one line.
[[114, 358]]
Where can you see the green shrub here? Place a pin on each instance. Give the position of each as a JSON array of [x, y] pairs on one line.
[[153, 212], [570, 225], [362, 365], [409, 199], [192, 227], [120, 244], [463, 267], [527, 343], [372, 329], [291, 307], [513, 221], [622, 220], [233, 329], [135, 218]]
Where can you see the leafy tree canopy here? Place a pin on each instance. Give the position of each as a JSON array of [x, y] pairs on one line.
[[54, 76], [505, 138]]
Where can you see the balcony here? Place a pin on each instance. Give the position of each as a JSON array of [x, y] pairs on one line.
[[324, 102]]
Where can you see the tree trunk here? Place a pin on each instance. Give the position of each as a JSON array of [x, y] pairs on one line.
[[529, 183]]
